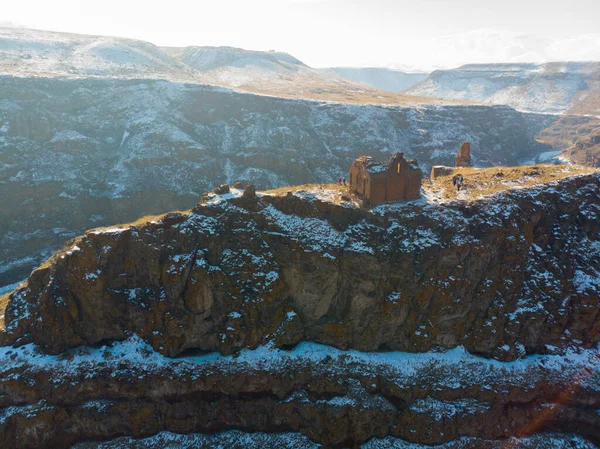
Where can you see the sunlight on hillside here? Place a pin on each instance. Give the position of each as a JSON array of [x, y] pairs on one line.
[[481, 182], [478, 183]]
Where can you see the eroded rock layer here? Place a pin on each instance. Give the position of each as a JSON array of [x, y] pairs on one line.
[[333, 398]]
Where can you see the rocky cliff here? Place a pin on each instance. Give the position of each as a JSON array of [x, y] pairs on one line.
[[503, 278], [81, 153], [579, 135], [456, 324]]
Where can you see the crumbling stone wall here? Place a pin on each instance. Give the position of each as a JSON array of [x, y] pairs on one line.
[[463, 158], [440, 170]]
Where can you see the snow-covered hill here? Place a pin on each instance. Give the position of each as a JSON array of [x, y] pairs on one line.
[[276, 73], [236, 67], [549, 88], [379, 77], [207, 59], [26, 52]]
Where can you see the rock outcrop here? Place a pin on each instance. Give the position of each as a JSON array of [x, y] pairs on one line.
[[494, 304], [503, 277]]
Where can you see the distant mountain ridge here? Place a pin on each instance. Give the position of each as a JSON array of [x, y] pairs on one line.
[[556, 87], [208, 58], [27, 52], [380, 77]]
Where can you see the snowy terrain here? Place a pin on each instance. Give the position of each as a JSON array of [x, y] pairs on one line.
[[549, 88], [25, 52], [236, 67]]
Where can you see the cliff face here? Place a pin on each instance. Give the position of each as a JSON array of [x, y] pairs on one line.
[[82, 153], [312, 396], [493, 303], [503, 277], [579, 136]]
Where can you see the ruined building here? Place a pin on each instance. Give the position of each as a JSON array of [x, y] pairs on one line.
[[463, 158], [399, 179]]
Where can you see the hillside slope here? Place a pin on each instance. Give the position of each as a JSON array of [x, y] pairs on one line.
[[467, 324], [280, 74], [79, 153], [381, 78], [555, 87], [25, 52]]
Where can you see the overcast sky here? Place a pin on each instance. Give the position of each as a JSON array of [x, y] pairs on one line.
[[421, 34]]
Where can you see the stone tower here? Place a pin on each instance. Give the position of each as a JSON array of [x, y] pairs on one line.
[[463, 158]]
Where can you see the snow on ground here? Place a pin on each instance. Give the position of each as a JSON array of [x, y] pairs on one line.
[[113, 230], [234, 439], [317, 234], [218, 198], [403, 367], [29, 52]]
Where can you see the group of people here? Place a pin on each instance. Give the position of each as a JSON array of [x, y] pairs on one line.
[[458, 180], [341, 181]]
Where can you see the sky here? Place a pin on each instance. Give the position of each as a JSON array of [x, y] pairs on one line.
[[404, 34]]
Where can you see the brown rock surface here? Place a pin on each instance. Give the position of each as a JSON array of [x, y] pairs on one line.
[[512, 275], [506, 276], [337, 399], [221, 190]]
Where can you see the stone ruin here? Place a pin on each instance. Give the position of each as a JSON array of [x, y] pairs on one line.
[[440, 170], [377, 182], [463, 158]]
